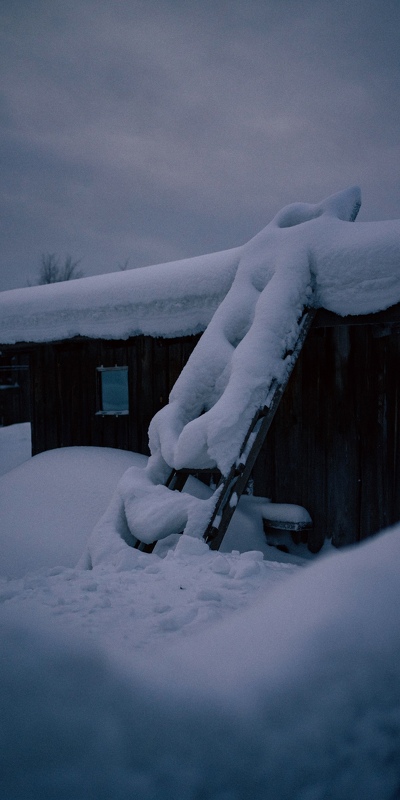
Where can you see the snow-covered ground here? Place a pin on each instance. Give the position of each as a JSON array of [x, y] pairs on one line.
[[15, 446], [189, 674], [186, 673]]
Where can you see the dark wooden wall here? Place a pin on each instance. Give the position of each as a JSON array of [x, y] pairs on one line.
[[64, 380], [334, 444], [14, 388]]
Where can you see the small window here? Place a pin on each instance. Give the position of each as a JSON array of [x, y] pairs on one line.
[[113, 391]]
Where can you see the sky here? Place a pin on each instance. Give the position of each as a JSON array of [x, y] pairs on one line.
[[143, 131]]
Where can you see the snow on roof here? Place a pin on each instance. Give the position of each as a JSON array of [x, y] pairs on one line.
[[309, 255], [355, 269], [174, 299]]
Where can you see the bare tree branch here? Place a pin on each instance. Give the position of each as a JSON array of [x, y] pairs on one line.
[[51, 271]]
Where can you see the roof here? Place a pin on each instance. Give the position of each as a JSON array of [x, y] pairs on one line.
[[169, 300], [350, 267]]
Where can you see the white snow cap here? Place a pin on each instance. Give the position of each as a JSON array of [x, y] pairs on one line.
[[355, 270], [169, 300]]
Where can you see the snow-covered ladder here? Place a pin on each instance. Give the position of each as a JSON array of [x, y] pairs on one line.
[[232, 486]]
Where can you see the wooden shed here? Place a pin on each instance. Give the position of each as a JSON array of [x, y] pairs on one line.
[[101, 393], [333, 446]]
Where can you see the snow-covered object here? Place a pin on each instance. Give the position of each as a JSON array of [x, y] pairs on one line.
[[49, 505], [169, 300], [283, 512], [308, 255], [245, 346], [146, 509]]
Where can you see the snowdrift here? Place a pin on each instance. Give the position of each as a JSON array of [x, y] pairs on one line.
[[50, 503], [297, 697]]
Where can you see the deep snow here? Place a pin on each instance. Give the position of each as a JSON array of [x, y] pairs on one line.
[[354, 267], [200, 674], [189, 673], [50, 504]]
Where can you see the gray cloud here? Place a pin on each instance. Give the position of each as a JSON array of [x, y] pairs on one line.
[[156, 130]]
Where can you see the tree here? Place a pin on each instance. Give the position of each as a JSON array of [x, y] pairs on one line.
[[52, 271]]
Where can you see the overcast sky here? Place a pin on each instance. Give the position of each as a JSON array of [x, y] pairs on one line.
[[152, 130]]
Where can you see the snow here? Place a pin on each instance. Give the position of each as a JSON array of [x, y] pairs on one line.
[[15, 445], [246, 349], [354, 270], [191, 673], [284, 512], [50, 503], [169, 300], [309, 255], [246, 345]]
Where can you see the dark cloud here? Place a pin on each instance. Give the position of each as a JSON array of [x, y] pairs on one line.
[[155, 130]]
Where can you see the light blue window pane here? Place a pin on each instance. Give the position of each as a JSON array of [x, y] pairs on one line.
[[114, 390]]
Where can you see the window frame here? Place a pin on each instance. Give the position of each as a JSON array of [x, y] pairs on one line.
[[100, 372]]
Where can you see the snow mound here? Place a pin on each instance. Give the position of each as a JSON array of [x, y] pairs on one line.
[[50, 504], [296, 697]]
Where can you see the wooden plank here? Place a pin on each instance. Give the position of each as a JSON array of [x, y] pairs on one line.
[[380, 487], [293, 456], [310, 456], [160, 374], [46, 389], [342, 444], [134, 437], [237, 479]]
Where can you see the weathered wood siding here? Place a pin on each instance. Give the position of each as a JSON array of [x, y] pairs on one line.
[[14, 388], [65, 390], [334, 444], [335, 441]]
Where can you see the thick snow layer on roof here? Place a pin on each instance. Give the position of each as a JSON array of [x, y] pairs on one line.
[[355, 269], [169, 300]]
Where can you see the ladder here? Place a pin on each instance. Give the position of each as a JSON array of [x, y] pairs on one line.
[[231, 487]]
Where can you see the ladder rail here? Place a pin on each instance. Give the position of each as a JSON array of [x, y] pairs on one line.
[[240, 472]]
